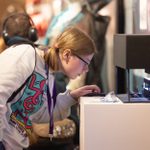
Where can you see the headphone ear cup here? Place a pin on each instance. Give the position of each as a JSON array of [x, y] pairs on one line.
[[5, 36], [33, 34]]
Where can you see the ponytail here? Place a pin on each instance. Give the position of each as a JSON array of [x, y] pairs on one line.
[[51, 58]]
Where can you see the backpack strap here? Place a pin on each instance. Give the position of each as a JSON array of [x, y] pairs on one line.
[[22, 41], [18, 90]]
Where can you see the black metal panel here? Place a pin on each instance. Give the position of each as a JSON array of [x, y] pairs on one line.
[[132, 51]]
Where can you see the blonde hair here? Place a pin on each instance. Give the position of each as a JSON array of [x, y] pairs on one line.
[[74, 39]]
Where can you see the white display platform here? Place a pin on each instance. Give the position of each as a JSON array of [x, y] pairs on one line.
[[114, 126]]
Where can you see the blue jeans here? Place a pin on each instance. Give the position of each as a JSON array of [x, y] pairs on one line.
[[2, 146]]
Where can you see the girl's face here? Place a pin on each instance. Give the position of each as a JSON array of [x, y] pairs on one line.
[[74, 65]]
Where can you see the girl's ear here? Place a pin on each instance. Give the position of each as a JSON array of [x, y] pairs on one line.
[[66, 54]]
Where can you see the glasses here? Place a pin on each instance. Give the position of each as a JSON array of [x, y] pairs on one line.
[[81, 59]]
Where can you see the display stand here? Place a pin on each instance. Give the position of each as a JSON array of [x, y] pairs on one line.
[[131, 51]]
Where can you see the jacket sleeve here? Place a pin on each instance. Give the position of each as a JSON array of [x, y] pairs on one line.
[[16, 64], [63, 104], [2, 112]]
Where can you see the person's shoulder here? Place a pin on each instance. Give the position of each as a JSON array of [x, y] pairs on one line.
[[23, 49], [19, 51]]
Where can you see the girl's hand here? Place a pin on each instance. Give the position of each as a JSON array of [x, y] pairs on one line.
[[84, 90]]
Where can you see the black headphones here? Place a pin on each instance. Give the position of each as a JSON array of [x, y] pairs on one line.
[[32, 33]]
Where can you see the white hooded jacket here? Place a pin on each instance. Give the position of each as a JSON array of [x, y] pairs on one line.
[[17, 63]]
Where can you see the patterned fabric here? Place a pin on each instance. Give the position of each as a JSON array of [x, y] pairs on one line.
[[29, 103]]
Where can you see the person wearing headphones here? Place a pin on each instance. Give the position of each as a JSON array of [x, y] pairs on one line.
[[27, 85]]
